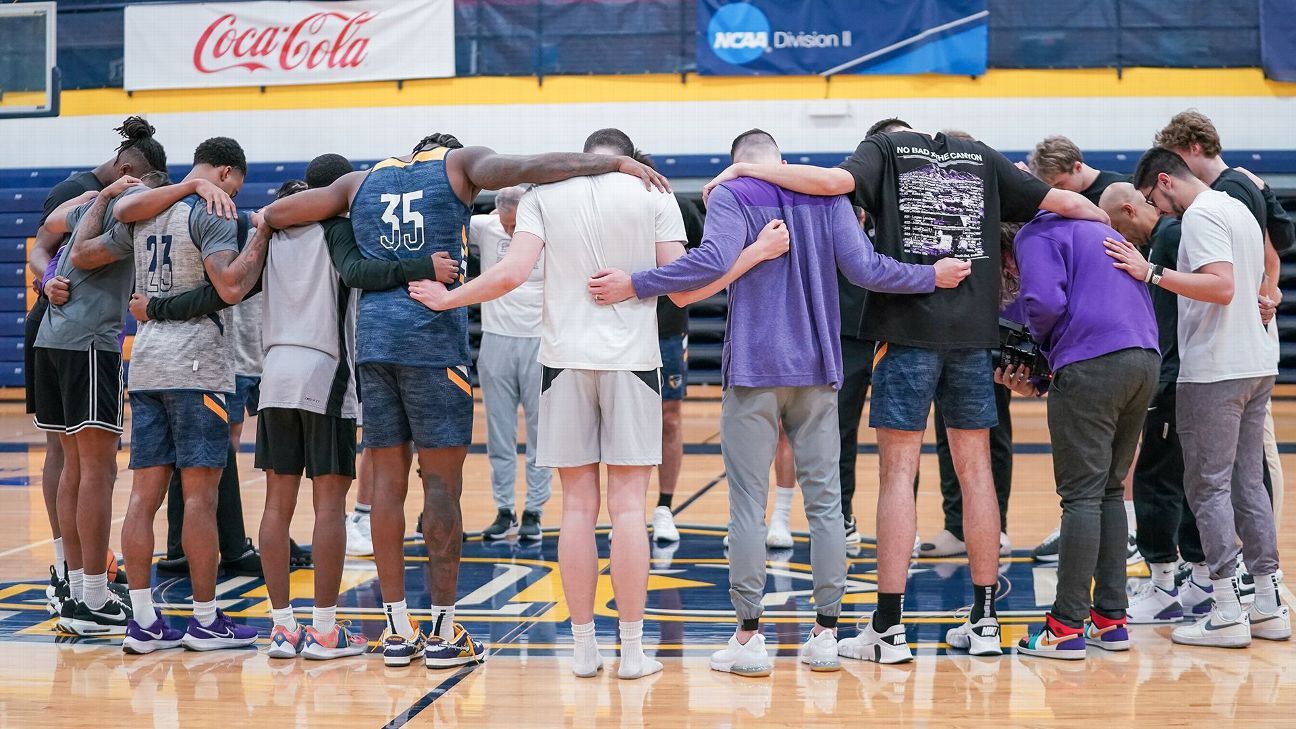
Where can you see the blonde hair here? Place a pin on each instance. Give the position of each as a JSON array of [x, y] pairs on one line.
[[1188, 128], [1055, 155]]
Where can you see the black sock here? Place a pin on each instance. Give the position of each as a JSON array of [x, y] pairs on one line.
[[751, 623], [826, 621], [889, 607], [983, 601], [665, 500]]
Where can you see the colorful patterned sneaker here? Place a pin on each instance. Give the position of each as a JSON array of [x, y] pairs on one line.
[[870, 645], [398, 650], [1197, 600], [1107, 633], [1054, 640], [462, 650], [1152, 605], [285, 643], [157, 637], [980, 639], [224, 633], [337, 643]]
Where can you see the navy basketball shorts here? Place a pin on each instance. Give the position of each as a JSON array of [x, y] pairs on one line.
[[431, 406]]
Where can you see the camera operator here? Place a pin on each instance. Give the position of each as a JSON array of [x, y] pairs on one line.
[[1097, 329]]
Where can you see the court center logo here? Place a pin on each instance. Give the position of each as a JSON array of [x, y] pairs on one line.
[[739, 33]]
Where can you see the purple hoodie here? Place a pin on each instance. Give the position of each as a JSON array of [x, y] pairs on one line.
[[784, 327], [1078, 305]]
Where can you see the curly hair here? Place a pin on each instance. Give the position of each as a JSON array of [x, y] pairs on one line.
[[437, 139], [221, 152], [1188, 128]]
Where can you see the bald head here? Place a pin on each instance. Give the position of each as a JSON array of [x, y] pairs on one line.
[[506, 206], [1130, 213]]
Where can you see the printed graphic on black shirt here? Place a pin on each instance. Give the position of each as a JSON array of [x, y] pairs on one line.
[[942, 210]]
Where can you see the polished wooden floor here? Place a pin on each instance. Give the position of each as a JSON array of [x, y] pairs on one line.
[[527, 682]]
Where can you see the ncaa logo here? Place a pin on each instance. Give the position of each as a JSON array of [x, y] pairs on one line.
[[739, 33]]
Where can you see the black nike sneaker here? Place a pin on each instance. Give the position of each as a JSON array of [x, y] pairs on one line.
[[530, 529], [247, 564], [173, 566], [299, 556], [66, 612], [499, 529], [110, 619]]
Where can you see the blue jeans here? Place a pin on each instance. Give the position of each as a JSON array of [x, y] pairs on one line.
[[907, 380]]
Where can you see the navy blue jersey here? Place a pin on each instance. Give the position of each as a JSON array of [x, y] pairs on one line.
[[409, 210]]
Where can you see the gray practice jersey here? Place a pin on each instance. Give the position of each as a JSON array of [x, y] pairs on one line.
[[197, 354], [247, 337], [92, 318]]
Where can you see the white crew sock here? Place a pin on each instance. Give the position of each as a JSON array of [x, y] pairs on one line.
[[1226, 598], [1163, 575], [363, 509], [60, 561], [783, 502], [1130, 520], [324, 619], [95, 589], [1201, 574], [586, 659], [76, 580], [1266, 595], [142, 607], [398, 619], [205, 613], [634, 664], [442, 622], [283, 618]]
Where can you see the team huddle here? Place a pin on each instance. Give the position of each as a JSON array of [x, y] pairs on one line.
[[359, 280]]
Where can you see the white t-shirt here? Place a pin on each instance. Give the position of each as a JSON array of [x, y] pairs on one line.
[[517, 313], [1223, 342], [587, 224]]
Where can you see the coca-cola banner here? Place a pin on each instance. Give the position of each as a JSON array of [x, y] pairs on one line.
[[277, 43]]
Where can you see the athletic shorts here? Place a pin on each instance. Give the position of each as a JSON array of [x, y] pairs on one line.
[[30, 327], [599, 416], [674, 372], [906, 380], [184, 428], [247, 395], [290, 442], [76, 390], [431, 406]]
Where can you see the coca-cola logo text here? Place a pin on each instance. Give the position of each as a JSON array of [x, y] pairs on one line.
[[319, 40]]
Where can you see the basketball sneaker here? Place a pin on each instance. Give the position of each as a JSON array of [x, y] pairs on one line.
[[1132, 554], [285, 643], [852, 533], [1107, 633], [359, 537], [819, 652], [398, 650], [224, 633], [978, 639], [418, 527], [1054, 640], [870, 645], [530, 530], [337, 643], [779, 534], [944, 544], [442, 653], [56, 592], [1245, 582], [749, 659], [1270, 626], [1152, 605], [1047, 551], [107, 620], [1196, 599], [246, 564], [156, 637], [1215, 630], [499, 529], [66, 613], [663, 525], [1005, 545]]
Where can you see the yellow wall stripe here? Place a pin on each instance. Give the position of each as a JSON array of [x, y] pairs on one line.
[[483, 90]]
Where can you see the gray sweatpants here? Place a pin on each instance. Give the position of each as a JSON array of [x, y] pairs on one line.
[[1096, 409], [1221, 426], [510, 376], [749, 419]]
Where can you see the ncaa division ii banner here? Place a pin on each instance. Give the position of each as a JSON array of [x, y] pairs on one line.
[[277, 43], [825, 37]]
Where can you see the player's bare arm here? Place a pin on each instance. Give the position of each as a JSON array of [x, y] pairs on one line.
[[511, 272], [88, 249], [805, 179], [56, 222], [312, 206], [473, 169], [232, 275], [145, 205]]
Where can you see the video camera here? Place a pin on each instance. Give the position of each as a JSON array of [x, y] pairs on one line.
[[1016, 348]]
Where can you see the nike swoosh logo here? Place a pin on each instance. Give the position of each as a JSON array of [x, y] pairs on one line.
[[1057, 639], [1264, 620], [227, 634], [1213, 627]]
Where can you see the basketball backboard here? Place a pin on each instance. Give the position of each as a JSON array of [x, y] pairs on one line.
[[29, 84]]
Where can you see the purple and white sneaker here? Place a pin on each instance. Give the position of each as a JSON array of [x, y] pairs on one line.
[[1197, 600], [157, 637], [224, 633], [1152, 605]]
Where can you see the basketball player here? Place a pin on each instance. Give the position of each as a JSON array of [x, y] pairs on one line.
[[138, 154], [413, 364], [181, 374]]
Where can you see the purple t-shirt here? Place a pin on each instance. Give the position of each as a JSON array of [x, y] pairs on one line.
[[53, 266], [1078, 305], [784, 327]]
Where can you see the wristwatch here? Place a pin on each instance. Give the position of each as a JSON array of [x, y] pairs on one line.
[[1157, 272]]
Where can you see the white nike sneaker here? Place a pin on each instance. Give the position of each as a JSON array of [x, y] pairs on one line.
[[1152, 605], [1005, 545], [869, 645], [779, 536], [979, 639], [1196, 599], [944, 544], [359, 539], [819, 652], [663, 525], [1270, 626], [750, 659], [1132, 554], [1214, 630]]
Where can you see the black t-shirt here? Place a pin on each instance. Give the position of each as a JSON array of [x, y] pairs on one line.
[[1102, 182], [1164, 250], [1240, 187], [76, 184], [939, 197], [672, 320]]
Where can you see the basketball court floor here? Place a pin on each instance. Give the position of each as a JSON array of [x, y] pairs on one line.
[[510, 595]]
